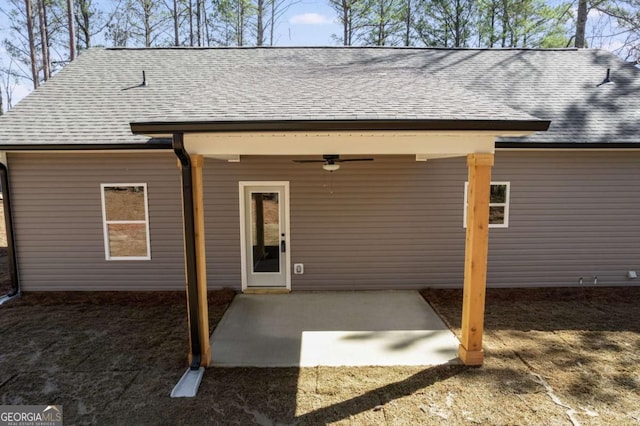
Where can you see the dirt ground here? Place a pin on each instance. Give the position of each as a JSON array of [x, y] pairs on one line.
[[552, 357]]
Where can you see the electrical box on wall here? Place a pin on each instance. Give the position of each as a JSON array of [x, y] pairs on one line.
[[298, 268]]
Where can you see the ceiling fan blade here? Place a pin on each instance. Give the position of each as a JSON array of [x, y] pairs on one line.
[[331, 159]]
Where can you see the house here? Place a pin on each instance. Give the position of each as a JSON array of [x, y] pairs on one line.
[[536, 144]]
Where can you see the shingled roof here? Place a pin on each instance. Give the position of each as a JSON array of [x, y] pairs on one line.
[[94, 99]]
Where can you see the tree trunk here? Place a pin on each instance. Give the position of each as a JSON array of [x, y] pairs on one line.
[[32, 44], [240, 26], [457, 36], [381, 29], [176, 32], [505, 23], [345, 23], [273, 22], [191, 23], [260, 29], [407, 35], [350, 27], [72, 32], [43, 39], [205, 23], [198, 22], [581, 23], [84, 22], [147, 5], [492, 33], [46, 35]]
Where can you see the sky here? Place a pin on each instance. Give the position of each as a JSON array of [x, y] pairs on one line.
[[308, 23]]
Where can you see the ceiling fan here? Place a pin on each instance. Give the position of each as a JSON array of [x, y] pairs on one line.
[[331, 161]]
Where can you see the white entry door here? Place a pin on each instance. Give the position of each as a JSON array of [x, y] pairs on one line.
[[264, 211]]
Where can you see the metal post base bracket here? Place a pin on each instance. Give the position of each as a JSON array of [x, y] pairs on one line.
[[188, 385]]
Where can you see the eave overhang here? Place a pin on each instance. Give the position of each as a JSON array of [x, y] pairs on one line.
[[567, 145], [152, 145], [166, 128]]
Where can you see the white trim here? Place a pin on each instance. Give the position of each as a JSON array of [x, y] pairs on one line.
[[287, 226], [106, 223], [243, 253], [506, 205]]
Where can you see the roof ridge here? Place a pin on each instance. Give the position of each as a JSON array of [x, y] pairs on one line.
[[492, 49]]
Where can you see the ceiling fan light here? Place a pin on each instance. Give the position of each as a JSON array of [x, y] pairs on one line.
[[331, 167]]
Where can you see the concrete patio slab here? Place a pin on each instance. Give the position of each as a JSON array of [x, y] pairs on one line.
[[309, 329]]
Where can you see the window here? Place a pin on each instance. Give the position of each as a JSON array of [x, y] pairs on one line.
[[125, 216], [498, 204]]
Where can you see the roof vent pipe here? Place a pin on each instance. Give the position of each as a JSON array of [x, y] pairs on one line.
[[144, 78], [606, 79]]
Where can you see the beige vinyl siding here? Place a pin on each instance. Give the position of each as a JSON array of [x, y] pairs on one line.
[[390, 223], [572, 215], [59, 229], [397, 223]]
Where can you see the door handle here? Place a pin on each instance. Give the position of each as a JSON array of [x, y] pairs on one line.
[[283, 246]]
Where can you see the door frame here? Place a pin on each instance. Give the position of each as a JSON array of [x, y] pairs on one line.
[[287, 230]]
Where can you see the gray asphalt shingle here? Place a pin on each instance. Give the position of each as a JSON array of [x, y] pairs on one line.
[[94, 99]]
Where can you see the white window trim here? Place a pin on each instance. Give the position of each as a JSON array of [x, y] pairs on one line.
[[105, 222], [505, 205]]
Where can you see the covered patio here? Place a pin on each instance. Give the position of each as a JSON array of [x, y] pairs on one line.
[[308, 329], [427, 140]]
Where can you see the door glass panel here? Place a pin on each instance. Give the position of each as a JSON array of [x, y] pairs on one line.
[[265, 231]]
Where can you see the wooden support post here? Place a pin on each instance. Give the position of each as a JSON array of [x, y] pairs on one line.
[[197, 162], [475, 262]]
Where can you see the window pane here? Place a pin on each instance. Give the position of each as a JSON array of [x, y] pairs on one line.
[[124, 202], [129, 239], [265, 233], [496, 215], [498, 193]]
